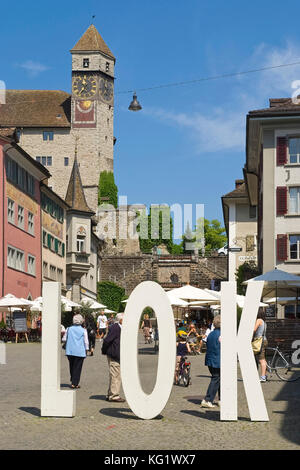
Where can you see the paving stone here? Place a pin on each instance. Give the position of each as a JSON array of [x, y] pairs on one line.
[[102, 425]]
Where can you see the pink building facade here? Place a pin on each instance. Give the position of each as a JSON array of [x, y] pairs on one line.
[[20, 213]]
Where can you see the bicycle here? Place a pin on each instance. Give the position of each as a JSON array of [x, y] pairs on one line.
[[184, 372], [282, 364]]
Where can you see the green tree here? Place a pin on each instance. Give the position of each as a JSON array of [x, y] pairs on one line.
[[159, 224], [244, 272], [107, 189], [214, 234], [111, 295]]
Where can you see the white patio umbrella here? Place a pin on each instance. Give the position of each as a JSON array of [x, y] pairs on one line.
[[92, 303], [10, 301], [240, 299], [190, 293], [176, 301], [277, 279]]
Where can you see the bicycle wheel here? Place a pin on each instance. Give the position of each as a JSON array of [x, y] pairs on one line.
[[186, 378], [285, 369]]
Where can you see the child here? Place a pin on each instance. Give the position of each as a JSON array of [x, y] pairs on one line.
[[183, 349]]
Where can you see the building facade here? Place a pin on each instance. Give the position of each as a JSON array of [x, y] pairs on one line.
[[49, 122], [54, 223], [240, 219], [21, 256]]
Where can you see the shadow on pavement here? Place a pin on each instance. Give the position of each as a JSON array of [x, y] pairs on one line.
[[146, 351], [290, 425], [98, 397], [124, 413], [31, 410]]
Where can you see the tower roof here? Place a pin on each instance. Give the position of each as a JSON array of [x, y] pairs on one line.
[[75, 197], [92, 41]]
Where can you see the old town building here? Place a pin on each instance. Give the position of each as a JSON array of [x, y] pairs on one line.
[[20, 214], [241, 227], [49, 121]]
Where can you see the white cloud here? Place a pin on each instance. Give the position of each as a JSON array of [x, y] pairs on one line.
[[223, 128], [33, 68]]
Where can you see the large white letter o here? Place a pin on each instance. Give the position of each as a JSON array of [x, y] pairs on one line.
[[146, 406]]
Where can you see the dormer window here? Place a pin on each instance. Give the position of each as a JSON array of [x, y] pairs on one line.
[[86, 63]]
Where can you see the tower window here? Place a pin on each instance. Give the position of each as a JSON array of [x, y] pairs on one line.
[[66, 161], [48, 135], [107, 67], [86, 63]]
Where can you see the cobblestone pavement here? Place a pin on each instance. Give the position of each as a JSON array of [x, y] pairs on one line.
[[102, 425]]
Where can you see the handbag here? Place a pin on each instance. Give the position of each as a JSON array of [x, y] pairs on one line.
[[257, 343]]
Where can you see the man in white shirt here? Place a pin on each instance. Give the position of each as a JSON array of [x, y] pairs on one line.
[[102, 324]]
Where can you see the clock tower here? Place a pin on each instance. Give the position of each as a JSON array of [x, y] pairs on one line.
[[92, 109]]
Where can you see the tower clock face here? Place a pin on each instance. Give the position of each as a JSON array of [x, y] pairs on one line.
[[84, 86], [106, 89]]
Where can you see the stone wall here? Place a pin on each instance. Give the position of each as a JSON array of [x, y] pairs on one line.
[[169, 271]]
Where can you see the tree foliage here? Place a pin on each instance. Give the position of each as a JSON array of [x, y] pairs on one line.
[[244, 272], [111, 295], [107, 189], [159, 225]]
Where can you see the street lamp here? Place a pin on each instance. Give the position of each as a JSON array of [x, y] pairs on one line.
[[134, 105]]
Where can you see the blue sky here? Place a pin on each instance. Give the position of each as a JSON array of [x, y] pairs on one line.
[[187, 145]]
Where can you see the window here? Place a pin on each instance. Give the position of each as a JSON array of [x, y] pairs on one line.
[[48, 135], [11, 252], [59, 275], [44, 160], [290, 311], [31, 223], [86, 63], [11, 211], [66, 161], [294, 241], [44, 238], [45, 269], [294, 206], [294, 150], [21, 217], [49, 161], [107, 67], [81, 243], [19, 176], [15, 258], [38, 159], [31, 265], [52, 272], [252, 212]]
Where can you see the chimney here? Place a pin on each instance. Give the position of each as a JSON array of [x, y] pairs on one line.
[[238, 183]]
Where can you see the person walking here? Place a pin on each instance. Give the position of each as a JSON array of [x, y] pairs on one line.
[[212, 360], [146, 327], [77, 344], [91, 330], [260, 332], [111, 348], [102, 324]]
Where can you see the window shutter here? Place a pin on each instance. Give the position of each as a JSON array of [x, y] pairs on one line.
[[281, 151], [63, 250], [282, 241], [281, 200], [56, 245], [49, 241]]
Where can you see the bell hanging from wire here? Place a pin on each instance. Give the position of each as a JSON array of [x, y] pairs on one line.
[[134, 105]]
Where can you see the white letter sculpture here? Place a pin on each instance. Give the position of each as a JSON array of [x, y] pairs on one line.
[[233, 345], [2, 353], [54, 402], [146, 294]]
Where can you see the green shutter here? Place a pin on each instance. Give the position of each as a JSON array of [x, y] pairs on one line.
[[63, 249], [49, 241], [56, 245]]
